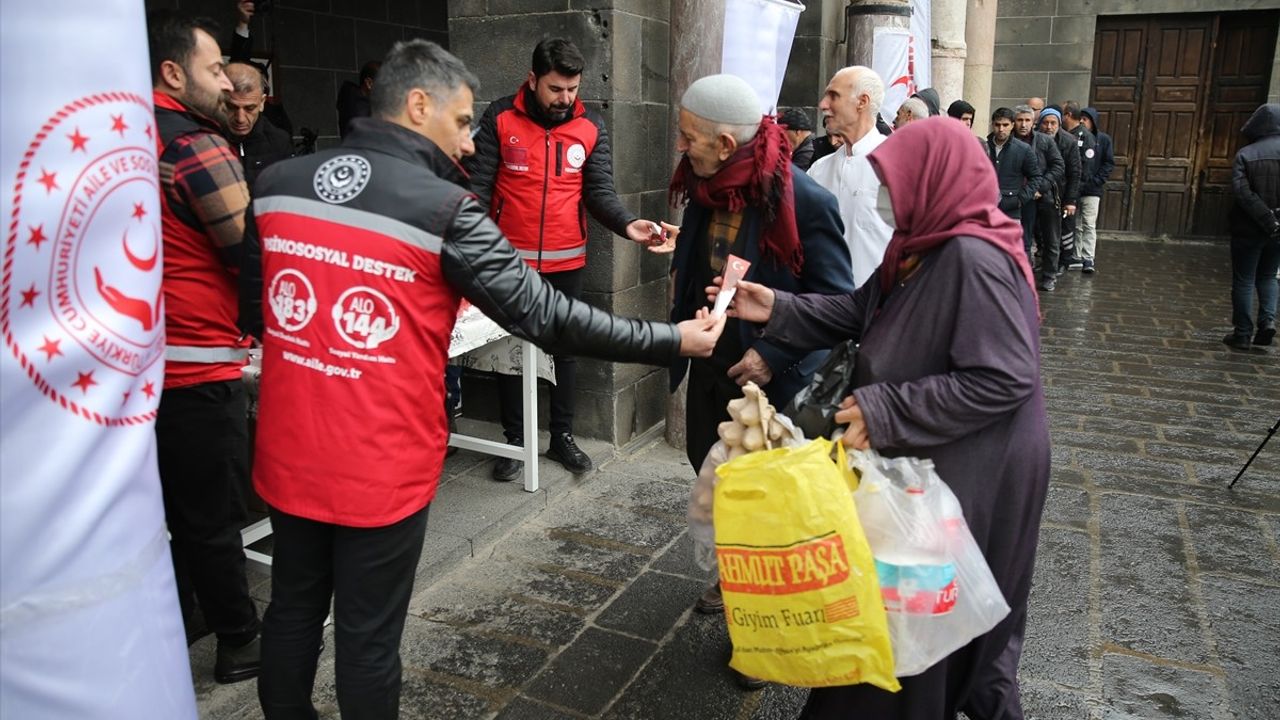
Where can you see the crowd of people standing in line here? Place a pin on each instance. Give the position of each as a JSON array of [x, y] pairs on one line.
[[883, 239]]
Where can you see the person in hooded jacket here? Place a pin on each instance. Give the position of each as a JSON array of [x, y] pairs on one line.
[[931, 101], [1255, 230], [1095, 184]]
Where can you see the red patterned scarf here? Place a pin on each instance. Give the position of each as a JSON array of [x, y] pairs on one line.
[[757, 175]]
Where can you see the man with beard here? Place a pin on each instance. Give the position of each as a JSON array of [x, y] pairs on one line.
[[542, 161], [253, 137], [1051, 125], [1041, 219], [1087, 146], [202, 426]]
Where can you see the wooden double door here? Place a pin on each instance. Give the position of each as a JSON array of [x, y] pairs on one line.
[[1173, 92]]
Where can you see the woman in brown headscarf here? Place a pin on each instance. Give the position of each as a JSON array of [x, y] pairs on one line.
[[948, 369]]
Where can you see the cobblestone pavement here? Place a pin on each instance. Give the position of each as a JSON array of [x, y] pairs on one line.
[[1157, 590]]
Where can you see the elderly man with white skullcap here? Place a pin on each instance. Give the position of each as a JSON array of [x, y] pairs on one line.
[[743, 199]]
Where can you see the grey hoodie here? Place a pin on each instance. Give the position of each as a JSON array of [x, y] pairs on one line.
[[1255, 175]]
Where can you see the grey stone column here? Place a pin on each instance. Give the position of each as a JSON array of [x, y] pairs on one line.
[[949, 50], [980, 42], [697, 40], [864, 16]]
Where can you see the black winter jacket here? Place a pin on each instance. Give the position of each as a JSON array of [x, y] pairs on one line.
[[474, 256], [265, 144], [1052, 169], [1087, 146], [1018, 173], [1255, 176], [1096, 184], [1069, 191]]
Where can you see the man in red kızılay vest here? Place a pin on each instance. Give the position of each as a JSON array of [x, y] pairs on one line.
[[202, 430], [542, 162], [366, 252]]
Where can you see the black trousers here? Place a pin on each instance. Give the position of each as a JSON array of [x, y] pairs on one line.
[[368, 572], [1043, 219], [510, 390], [202, 440], [706, 406]]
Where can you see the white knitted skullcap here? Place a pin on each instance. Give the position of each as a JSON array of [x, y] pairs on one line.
[[723, 99]]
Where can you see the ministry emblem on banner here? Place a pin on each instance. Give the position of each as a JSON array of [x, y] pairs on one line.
[[83, 249]]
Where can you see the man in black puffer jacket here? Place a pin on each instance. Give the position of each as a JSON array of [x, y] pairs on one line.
[[1092, 190], [1042, 218], [1068, 147], [1255, 229]]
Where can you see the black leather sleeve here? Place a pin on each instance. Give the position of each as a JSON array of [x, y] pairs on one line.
[[479, 262], [483, 164]]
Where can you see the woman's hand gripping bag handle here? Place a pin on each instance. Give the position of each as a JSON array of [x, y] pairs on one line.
[[937, 587], [801, 597]]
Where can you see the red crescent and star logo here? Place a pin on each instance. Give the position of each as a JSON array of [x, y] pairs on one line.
[[81, 307]]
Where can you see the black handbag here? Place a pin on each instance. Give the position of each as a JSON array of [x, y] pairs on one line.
[[814, 408]]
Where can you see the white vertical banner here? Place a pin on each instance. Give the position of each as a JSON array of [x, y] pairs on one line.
[[891, 59], [89, 618], [922, 43], [757, 44]]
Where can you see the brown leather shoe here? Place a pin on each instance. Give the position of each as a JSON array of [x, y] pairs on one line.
[[711, 601]]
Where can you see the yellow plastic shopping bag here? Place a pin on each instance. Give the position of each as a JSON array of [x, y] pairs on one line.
[[800, 591]]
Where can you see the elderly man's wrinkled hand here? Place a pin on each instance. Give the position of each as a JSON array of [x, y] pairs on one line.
[[751, 368], [855, 435], [698, 336]]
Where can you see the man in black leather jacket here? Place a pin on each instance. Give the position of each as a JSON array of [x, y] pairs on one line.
[[1255, 230], [375, 226]]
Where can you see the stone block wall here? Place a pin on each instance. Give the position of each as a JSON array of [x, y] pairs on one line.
[[816, 54], [316, 45], [1045, 47]]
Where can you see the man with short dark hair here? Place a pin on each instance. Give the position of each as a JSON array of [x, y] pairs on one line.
[[202, 425], [257, 141], [962, 111], [542, 162], [1017, 171], [367, 251], [353, 97]]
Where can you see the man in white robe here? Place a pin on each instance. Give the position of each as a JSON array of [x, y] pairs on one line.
[[850, 105]]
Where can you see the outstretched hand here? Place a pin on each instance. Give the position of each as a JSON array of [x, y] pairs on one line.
[[698, 336], [753, 302], [656, 237]]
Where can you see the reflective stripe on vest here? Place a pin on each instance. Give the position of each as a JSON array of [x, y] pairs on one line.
[[554, 254], [193, 354]]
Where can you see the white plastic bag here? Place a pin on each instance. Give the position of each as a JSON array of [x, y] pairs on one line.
[[936, 585]]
